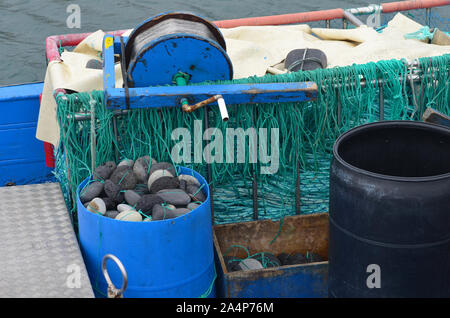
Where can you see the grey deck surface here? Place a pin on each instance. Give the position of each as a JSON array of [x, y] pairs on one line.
[[39, 253]]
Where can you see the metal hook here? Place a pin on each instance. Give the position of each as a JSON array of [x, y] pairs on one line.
[[113, 292]]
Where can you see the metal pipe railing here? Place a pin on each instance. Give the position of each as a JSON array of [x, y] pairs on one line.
[[304, 17], [53, 43], [350, 17], [301, 17]]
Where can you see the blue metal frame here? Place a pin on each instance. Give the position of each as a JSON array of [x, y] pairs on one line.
[[170, 96]]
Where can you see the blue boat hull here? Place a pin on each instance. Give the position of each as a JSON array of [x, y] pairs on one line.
[[22, 158]]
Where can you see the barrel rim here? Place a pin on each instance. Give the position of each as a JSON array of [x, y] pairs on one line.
[[389, 124], [180, 170]]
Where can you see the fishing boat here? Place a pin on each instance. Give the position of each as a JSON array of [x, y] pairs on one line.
[[136, 86]]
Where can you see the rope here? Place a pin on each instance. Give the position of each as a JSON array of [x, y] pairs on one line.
[[60, 48], [211, 286], [421, 34]]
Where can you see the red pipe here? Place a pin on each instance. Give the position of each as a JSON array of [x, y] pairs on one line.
[[52, 43], [327, 14], [284, 18], [412, 5], [49, 157]]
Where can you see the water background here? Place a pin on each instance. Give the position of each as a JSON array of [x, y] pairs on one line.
[[24, 24]]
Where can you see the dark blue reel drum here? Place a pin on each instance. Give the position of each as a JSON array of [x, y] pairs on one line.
[[172, 43]]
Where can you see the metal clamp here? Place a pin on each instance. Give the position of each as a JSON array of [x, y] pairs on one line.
[[374, 20], [113, 292]]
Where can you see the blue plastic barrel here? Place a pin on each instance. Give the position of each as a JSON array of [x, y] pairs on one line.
[[167, 259]]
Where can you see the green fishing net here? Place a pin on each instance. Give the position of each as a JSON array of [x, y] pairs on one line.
[[347, 97]]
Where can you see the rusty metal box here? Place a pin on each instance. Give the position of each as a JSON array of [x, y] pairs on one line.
[[300, 233]]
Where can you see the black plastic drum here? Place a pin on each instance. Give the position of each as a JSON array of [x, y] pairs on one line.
[[390, 211]]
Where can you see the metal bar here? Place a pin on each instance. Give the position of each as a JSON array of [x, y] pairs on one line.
[[169, 96], [93, 135], [428, 16], [116, 151], [86, 116], [190, 108], [208, 168], [344, 23], [413, 93], [363, 82], [352, 18], [206, 119], [297, 185], [339, 108], [365, 10], [327, 24], [124, 73], [254, 180], [109, 75], [381, 97], [421, 98]]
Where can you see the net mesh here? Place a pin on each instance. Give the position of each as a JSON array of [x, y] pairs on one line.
[[347, 97]]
